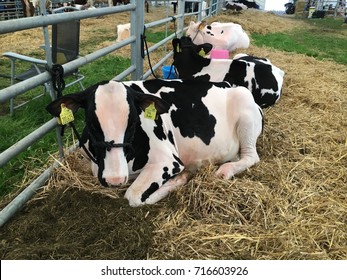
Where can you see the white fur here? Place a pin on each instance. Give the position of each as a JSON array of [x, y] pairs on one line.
[[227, 36]]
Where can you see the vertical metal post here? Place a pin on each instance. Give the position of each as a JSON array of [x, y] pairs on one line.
[[49, 86], [180, 22], [13, 71], [199, 10], [136, 28]]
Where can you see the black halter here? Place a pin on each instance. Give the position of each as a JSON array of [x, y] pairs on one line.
[[108, 145]]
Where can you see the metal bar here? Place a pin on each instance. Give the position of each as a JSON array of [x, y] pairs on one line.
[[125, 73], [159, 44], [43, 20], [19, 88], [136, 28], [26, 142], [159, 22]]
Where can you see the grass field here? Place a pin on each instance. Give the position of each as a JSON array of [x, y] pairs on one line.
[[322, 39]]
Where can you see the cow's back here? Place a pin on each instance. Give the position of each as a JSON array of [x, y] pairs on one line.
[[203, 117]]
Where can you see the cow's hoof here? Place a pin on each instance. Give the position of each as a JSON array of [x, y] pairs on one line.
[[226, 170]]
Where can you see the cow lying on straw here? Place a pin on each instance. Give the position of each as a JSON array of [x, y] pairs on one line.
[[259, 75], [225, 36], [154, 130]]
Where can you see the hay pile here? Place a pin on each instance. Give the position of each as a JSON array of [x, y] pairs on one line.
[[291, 205], [255, 21]]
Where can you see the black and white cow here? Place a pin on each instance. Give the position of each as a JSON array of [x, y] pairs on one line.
[[235, 6], [181, 125], [221, 35], [259, 75], [248, 3]]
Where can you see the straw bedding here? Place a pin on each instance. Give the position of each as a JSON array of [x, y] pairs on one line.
[[291, 205]]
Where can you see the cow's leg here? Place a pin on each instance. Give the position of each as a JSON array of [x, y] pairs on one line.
[[248, 130], [148, 187], [168, 187]]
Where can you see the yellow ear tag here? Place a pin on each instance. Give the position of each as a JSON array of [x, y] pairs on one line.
[[151, 112], [66, 115], [202, 52], [178, 49]]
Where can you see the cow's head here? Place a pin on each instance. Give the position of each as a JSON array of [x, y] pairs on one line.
[[229, 36], [188, 57], [112, 116], [195, 31]]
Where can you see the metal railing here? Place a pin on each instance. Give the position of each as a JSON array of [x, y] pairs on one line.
[[10, 9]]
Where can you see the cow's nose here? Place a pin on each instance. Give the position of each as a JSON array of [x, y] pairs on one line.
[[116, 181]]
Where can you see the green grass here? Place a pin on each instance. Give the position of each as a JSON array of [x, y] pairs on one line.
[[13, 129], [327, 23], [156, 37], [322, 41]]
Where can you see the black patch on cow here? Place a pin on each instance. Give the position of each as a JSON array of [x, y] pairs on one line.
[[136, 88], [170, 137], [159, 130], [133, 125], [141, 147], [95, 134], [191, 117], [194, 120], [236, 74], [188, 62], [153, 187], [252, 58], [263, 79], [178, 160], [263, 74], [166, 176], [176, 168], [249, 4]]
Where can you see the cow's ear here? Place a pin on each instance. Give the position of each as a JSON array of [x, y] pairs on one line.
[[73, 101], [146, 100], [206, 47], [176, 45]]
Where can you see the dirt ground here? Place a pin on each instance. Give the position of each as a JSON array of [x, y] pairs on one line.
[[291, 205]]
